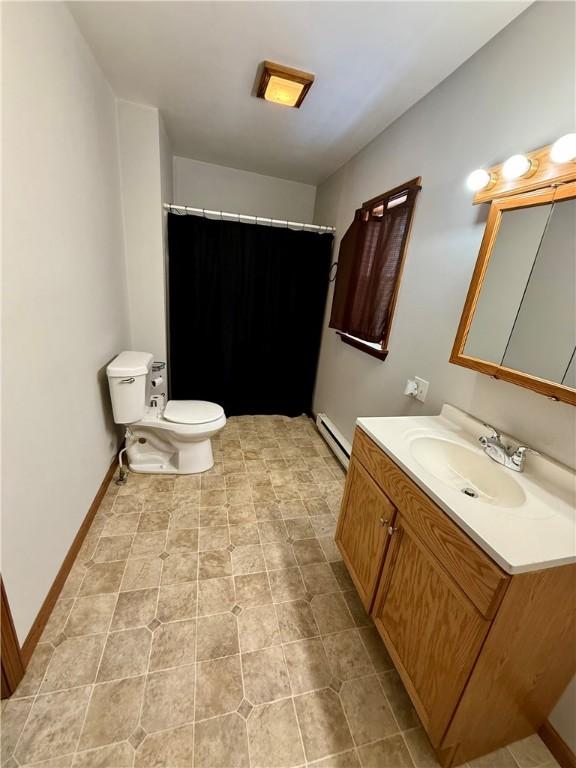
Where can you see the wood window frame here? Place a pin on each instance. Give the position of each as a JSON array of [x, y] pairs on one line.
[[381, 352]]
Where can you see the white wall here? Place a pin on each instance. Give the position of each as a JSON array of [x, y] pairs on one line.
[[145, 178], [64, 293], [203, 185], [487, 110], [484, 112]]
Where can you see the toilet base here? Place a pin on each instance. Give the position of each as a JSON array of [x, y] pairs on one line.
[[190, 459]]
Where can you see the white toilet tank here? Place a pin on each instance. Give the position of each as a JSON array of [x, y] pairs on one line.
[[127, 375]]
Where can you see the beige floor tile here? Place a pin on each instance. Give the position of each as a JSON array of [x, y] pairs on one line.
[[142, 574], [376, 649], [134, 609], [308, 666], [177, 601], [216, 537], [119, 524], [212, 498], [112, 548], [402, 707], [126, 654], [215, 595], [218, 687], [217, 636], [30, 683], [241, 514], [248, 559], [55, 624], [319, 579], [274, 736], [369, 715], [389, 753], [343, 760], [149, 544], [308, 551], [323, 724], [183, 541], [420, 748], [244, 534], [53, 725], [299, 528], [258, 628], [74, 581], [262, 493], [63, 761], [265, 675], [331, 613], [331, 551], [286, 584], [221, 742], [127, 505], [102, 578], [90, 615], [212, 482], [291, 505], [154, 521], [272, 530], [179, 568], [113, 756], [173, 645], [530, 752], [501, 758], [342, 576], [168, 699], [74, 663], [184, 516], [324, 525], [167, 749], [113, 712], [211, 516], [14, 715], [357, 610], [346, 654], [267, 511], [296, 620], [252, 589], [214, 564], [279, 555]]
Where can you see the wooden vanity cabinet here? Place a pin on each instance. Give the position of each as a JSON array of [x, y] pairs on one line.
[[483, 655]]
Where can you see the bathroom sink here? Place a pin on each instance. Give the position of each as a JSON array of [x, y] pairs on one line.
[[469, 471]]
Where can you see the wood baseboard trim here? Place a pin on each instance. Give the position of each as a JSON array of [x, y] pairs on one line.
[[557, 745], [53, 593]]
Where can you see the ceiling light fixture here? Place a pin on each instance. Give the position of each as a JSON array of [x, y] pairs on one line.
[[564, 149], [516, 166], [283, 85], [478, 179]]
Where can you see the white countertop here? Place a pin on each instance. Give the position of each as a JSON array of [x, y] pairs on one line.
[[538, 533]]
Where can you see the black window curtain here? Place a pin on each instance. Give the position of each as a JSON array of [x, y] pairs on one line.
[[246, 306]]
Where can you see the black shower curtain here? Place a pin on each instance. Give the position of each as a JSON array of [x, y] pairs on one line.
[[246, 304]]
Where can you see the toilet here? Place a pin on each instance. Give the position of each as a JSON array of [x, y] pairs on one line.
[[161, 437]]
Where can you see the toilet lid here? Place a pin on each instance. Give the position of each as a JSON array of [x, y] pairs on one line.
[[192, 411]]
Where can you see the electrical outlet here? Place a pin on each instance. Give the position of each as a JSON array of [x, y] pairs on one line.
[[422, 390]]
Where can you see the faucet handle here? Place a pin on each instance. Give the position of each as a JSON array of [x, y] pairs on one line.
[[494, 431], [518, 457], [522, 450]]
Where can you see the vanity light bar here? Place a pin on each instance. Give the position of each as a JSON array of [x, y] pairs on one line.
[[515, 174]]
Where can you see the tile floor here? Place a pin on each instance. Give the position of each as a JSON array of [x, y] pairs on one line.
[[209, 622]]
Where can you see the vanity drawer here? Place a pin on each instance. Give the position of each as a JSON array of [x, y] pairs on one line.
[[477, 574]]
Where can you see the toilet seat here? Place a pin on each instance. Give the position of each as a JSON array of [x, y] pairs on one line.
[[192, 411]]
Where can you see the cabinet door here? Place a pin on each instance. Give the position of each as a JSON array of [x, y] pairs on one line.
[[362, 533], [432, 631]]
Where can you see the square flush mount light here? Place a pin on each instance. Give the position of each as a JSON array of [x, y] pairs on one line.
[[283, 85]]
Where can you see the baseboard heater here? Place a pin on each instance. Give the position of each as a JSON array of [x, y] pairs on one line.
[[334, 438]]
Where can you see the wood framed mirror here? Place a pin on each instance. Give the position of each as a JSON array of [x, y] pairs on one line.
[[519, 319]]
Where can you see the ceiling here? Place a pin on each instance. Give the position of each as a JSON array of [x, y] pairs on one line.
[[197, 62]]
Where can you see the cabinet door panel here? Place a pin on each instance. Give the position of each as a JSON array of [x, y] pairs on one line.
[[431, 629], [362, 533]]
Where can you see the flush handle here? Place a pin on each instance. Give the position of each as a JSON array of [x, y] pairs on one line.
[[131, 380]]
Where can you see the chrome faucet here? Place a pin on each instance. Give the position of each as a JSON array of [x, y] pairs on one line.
[[511, 458]]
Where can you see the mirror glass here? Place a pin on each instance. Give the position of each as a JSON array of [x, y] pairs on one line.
[[525, 316]]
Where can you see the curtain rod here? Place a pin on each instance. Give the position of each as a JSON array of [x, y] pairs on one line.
[[249, 219]]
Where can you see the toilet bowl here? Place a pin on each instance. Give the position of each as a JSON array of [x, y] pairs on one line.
[[172, 438]]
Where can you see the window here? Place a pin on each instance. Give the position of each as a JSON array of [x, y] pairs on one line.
[[370, 264]]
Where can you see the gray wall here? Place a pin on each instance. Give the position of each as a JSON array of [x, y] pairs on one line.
[[487, 110], [64, 294], [477, 117]]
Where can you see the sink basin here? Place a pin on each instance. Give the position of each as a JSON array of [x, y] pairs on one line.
[[468, 471]]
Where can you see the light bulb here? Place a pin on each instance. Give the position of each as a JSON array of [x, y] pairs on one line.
[[564, 149], [516, 166], [478, 179]]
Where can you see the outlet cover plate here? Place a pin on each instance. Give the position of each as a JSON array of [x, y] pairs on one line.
[[422, 391]]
